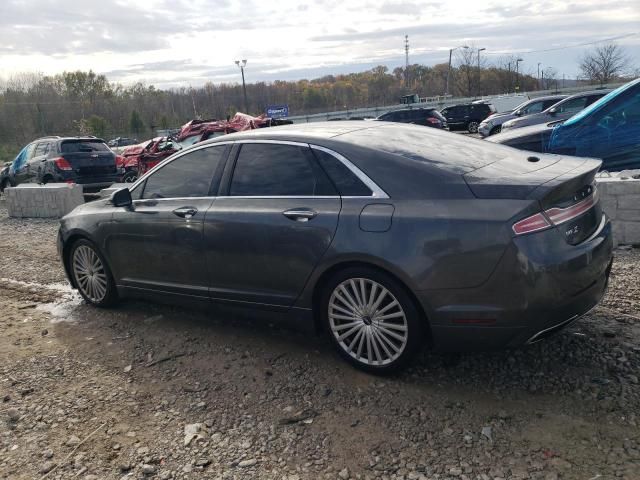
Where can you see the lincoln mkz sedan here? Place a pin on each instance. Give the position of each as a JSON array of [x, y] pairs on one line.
[[388, 236]]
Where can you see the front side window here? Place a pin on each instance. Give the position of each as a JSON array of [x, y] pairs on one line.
[[267, 170], [190, 175]]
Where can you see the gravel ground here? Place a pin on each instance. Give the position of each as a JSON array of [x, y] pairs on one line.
[[148, 391]]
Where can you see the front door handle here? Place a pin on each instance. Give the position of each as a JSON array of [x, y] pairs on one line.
[[300, 214], [185, 212]]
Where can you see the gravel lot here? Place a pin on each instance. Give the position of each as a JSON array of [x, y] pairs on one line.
[[148, 391]]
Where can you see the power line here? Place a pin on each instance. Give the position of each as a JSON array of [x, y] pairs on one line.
[[618, 37]]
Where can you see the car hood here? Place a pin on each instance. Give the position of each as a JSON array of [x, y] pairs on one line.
[[509, 136], [500, 115]]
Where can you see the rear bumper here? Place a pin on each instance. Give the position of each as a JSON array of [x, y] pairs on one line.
[[541, 285]]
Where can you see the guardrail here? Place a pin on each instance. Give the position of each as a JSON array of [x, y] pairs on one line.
[[437, 102]]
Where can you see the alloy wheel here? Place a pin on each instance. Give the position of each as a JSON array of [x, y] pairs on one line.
[[473, 127], [368, 322], [90, 273]]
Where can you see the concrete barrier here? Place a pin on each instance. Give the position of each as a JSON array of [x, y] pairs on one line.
[[621, 201], [53, 200]]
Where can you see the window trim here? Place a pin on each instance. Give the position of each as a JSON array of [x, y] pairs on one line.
[[232, 157]]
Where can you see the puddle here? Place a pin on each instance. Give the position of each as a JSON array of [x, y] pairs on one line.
[[63, 309]]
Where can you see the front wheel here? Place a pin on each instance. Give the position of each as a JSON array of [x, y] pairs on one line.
[[473, 127], [91, 274], [371, 320], [495, 130]]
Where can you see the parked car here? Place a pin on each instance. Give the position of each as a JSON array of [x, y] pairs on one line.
[[389, 236], [121, 142], [429, 117], [560, 111], [87, 161], [493, 124], [608, 129], [468, 116]]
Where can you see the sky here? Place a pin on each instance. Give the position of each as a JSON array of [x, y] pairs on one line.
[[174, 43]]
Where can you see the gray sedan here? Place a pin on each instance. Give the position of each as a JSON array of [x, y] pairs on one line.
[[493, 124], [560, 111], [387, 236]]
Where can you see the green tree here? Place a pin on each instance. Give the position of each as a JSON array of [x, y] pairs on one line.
[[136, 125], [97, 125]]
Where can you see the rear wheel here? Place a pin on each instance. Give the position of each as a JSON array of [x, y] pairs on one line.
[[371, 320], [473, 127], [91, 274], [495, 130]]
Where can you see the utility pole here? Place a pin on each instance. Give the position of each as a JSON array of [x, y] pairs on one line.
[[244, 87], [478, 87], [518, 60], [406, 61]]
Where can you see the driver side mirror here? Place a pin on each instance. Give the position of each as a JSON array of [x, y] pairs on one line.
[[518, 113], [122, 198], [553, 111]]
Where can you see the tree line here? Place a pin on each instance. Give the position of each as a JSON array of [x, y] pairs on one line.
[[86, 103]]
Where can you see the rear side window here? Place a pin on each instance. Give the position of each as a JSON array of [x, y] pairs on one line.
[[536, 107], [573, 105], [348, 184], [268, 170], [549, 103], [41, 149], [190, 175], [83, 146]]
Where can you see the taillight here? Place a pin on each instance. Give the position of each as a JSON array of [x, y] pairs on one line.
[[119, 161], [530, 224], [62, 164], [434, 121], [562, 215], [554, 216]]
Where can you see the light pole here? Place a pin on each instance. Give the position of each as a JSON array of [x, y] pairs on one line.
[[479, 50], [539, 63], [446, 88], [518, 60], [244, 87]]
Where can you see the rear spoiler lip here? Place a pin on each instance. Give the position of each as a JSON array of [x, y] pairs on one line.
[[588, 166]]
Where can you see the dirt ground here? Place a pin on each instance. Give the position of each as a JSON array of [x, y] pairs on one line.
[[149, 391]]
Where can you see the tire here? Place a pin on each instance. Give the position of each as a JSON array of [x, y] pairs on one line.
[[91, 274], [370, 343], [473, 127], [130, 177], [495, 130]]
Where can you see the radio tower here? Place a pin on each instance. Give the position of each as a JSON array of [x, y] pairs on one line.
[[406, 61]]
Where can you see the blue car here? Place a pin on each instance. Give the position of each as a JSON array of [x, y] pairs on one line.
[[608, 129]]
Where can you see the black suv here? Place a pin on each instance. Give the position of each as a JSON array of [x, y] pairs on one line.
[[429, 117], [85, 161], [467, 116]]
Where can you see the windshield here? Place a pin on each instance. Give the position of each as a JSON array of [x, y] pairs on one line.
[[602, 101]]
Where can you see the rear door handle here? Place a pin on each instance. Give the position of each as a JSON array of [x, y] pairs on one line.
[[300, 214], [185, 212]]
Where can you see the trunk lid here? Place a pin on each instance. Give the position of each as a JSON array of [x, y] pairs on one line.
[[563, 187], [89, 157]]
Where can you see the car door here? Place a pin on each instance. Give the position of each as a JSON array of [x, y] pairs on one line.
[[271, 225], [158, 243], [36, 165]]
